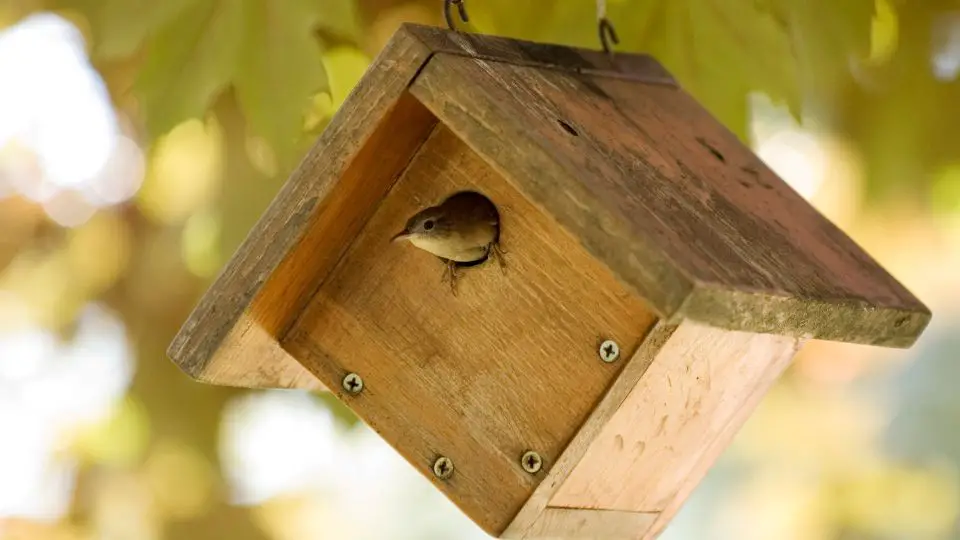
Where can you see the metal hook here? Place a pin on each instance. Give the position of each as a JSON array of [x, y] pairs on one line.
[[461, 9], [607, 34]]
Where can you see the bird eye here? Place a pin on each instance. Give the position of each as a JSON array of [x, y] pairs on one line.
[[428, 224]]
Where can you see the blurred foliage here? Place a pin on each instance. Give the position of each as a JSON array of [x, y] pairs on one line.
[[191, 50], [226, 95], [866, 69]]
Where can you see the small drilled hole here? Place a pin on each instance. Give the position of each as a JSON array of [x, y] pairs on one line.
[[568, 128], [716, 153]]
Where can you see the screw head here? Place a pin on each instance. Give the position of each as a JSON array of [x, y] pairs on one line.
[[352, 383], [609, 351], [443, 468], [531, 462]]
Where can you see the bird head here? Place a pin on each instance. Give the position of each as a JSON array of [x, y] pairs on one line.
[[430, 223]]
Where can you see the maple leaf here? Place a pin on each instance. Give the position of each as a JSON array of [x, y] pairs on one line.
[[267, 50]]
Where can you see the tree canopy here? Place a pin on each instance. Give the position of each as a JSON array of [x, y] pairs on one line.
[[881, 73]]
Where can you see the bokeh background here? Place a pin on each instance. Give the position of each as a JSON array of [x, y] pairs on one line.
[[141, 139]]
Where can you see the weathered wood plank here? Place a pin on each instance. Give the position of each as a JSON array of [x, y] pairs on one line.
[[711, 452], [507, 365], [263, 286], [583, 524], [671, 201], [627, 380], [637, 67], [272, 273], [690, 402]]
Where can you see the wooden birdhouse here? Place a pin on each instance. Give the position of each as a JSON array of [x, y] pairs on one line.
[[659, 278]]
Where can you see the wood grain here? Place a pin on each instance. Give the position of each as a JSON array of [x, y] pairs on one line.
[[709, 454], [634, 66], [582, 524], [623, 202], [626, 381], [508, 365], [263, 286], [275, 270], [670, 201], [686, 408], [250, 357]]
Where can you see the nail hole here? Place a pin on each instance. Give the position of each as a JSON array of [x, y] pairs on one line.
[[716, 153], [568, 128]]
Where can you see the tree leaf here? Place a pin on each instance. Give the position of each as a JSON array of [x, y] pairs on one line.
[[279, 69], [193, 49], [338, 17], [188, 62], [904, 118], [123, 25], [826, 38], [719, 51]]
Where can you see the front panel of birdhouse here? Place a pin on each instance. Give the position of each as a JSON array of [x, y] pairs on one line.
[[627, 214], [507, 365]]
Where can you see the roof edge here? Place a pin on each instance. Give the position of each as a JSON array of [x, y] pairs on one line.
[[630, 66], [841, 320]]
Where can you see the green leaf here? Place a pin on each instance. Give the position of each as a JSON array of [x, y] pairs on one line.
[[719, 51], [338, 17], [826, 37], [280, 69], [269, 50], [188, 62], [123, 25], [904, 119]]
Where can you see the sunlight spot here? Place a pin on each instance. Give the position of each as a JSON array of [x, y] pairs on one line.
[[121, 176], [181, 480], [47, 389], [56, 103], [68, 208], [184, 173], [60, 141], [884, 32], [946, 47], [291, 428], [108, 236], [283, 451], [200, 246], [797, 157]]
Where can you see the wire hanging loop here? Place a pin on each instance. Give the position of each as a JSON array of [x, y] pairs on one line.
[[448, 13], [607, 34], [605, 28]]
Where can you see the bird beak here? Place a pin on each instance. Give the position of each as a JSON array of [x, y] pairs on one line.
[[402, 235]]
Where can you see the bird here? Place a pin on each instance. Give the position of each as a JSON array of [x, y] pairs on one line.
[[463, 230]]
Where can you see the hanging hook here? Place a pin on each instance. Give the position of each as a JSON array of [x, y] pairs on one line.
[[607, 34], [605, 28], [461, 9]]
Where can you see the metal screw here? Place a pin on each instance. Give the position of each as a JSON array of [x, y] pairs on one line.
[[531, 462], [353, 383], [443, 467], [609, 351]]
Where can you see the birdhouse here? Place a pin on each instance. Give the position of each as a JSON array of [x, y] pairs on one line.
[[658, 279]]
